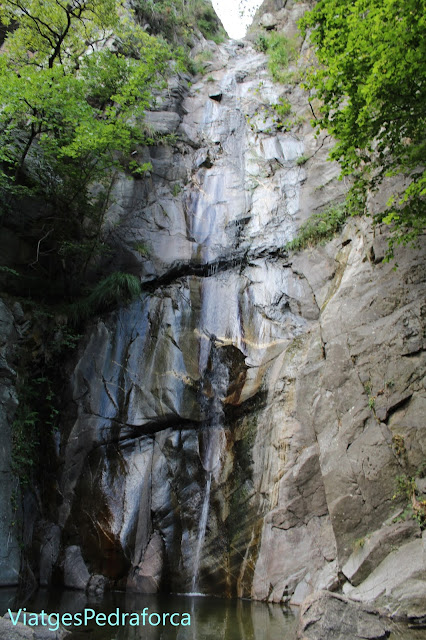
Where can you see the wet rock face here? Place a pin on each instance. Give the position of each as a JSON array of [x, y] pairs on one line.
[[162, 387], [277, 382], [9, 486]]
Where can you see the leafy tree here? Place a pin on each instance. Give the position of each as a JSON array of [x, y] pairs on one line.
[[55, 31], [76, 77], [57, 91], [371, 79]]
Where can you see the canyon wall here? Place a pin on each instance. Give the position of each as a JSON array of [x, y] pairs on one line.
[[239, 429]]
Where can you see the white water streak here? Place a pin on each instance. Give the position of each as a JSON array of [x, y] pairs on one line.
[[201, 532]]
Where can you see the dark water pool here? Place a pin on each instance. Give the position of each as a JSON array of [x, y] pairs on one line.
[[210, 618]]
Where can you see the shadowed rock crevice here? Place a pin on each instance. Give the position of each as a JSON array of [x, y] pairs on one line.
[[239, 260]]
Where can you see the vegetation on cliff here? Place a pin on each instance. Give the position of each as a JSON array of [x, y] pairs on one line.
[[75, 81], [371, 81], [177, 20], [76, 78]]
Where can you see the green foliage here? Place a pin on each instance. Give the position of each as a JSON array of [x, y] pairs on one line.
[[281, 51], [319, 227], [301, 160], [198, 61], [359, 543], [141, 248], [371, 79], [261, 43], [207, 21], [75, 81], [47, 340], [117, 288], [282, 108], [137, 170], [76, 119], [407, 489], [278, 113], [11, 272], [177, 20]]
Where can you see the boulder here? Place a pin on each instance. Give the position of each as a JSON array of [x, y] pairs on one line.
[[147, 575], [76, 575], [376, 547], [49, 552], [20, 631], [268, 21], [329, 616], [398, 583]]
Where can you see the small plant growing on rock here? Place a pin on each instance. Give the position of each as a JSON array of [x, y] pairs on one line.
[[261, 43], [398, 445], [406, 487], [359, 543], [319, 228], [141, 248], [176, 189], [24, 442], [301, 160], [281, 51], [113, 290], [281, 109]]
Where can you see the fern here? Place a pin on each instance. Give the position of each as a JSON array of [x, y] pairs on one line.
[[116, 289]]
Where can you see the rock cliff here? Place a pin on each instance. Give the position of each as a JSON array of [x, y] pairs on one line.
[[239, 429], [9, 500]]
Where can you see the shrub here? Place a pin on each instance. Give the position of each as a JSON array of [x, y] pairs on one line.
[[281, 109], [261, 43], [117, 288], [176, 20], [407, 488], [281, 51], [320, 227]]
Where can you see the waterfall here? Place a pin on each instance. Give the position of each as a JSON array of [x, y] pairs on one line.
[[211, 436], [201, 532]]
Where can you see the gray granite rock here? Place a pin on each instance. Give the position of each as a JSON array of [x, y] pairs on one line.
[[162, 122], [398, 583], [375, 547], [329, 616], [263, 386], [268, 20], [147, 575], [76, 575], [20, 631], [49, 553]]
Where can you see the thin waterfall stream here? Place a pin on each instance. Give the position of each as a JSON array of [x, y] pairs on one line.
[[201, 532], [210, 437]]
